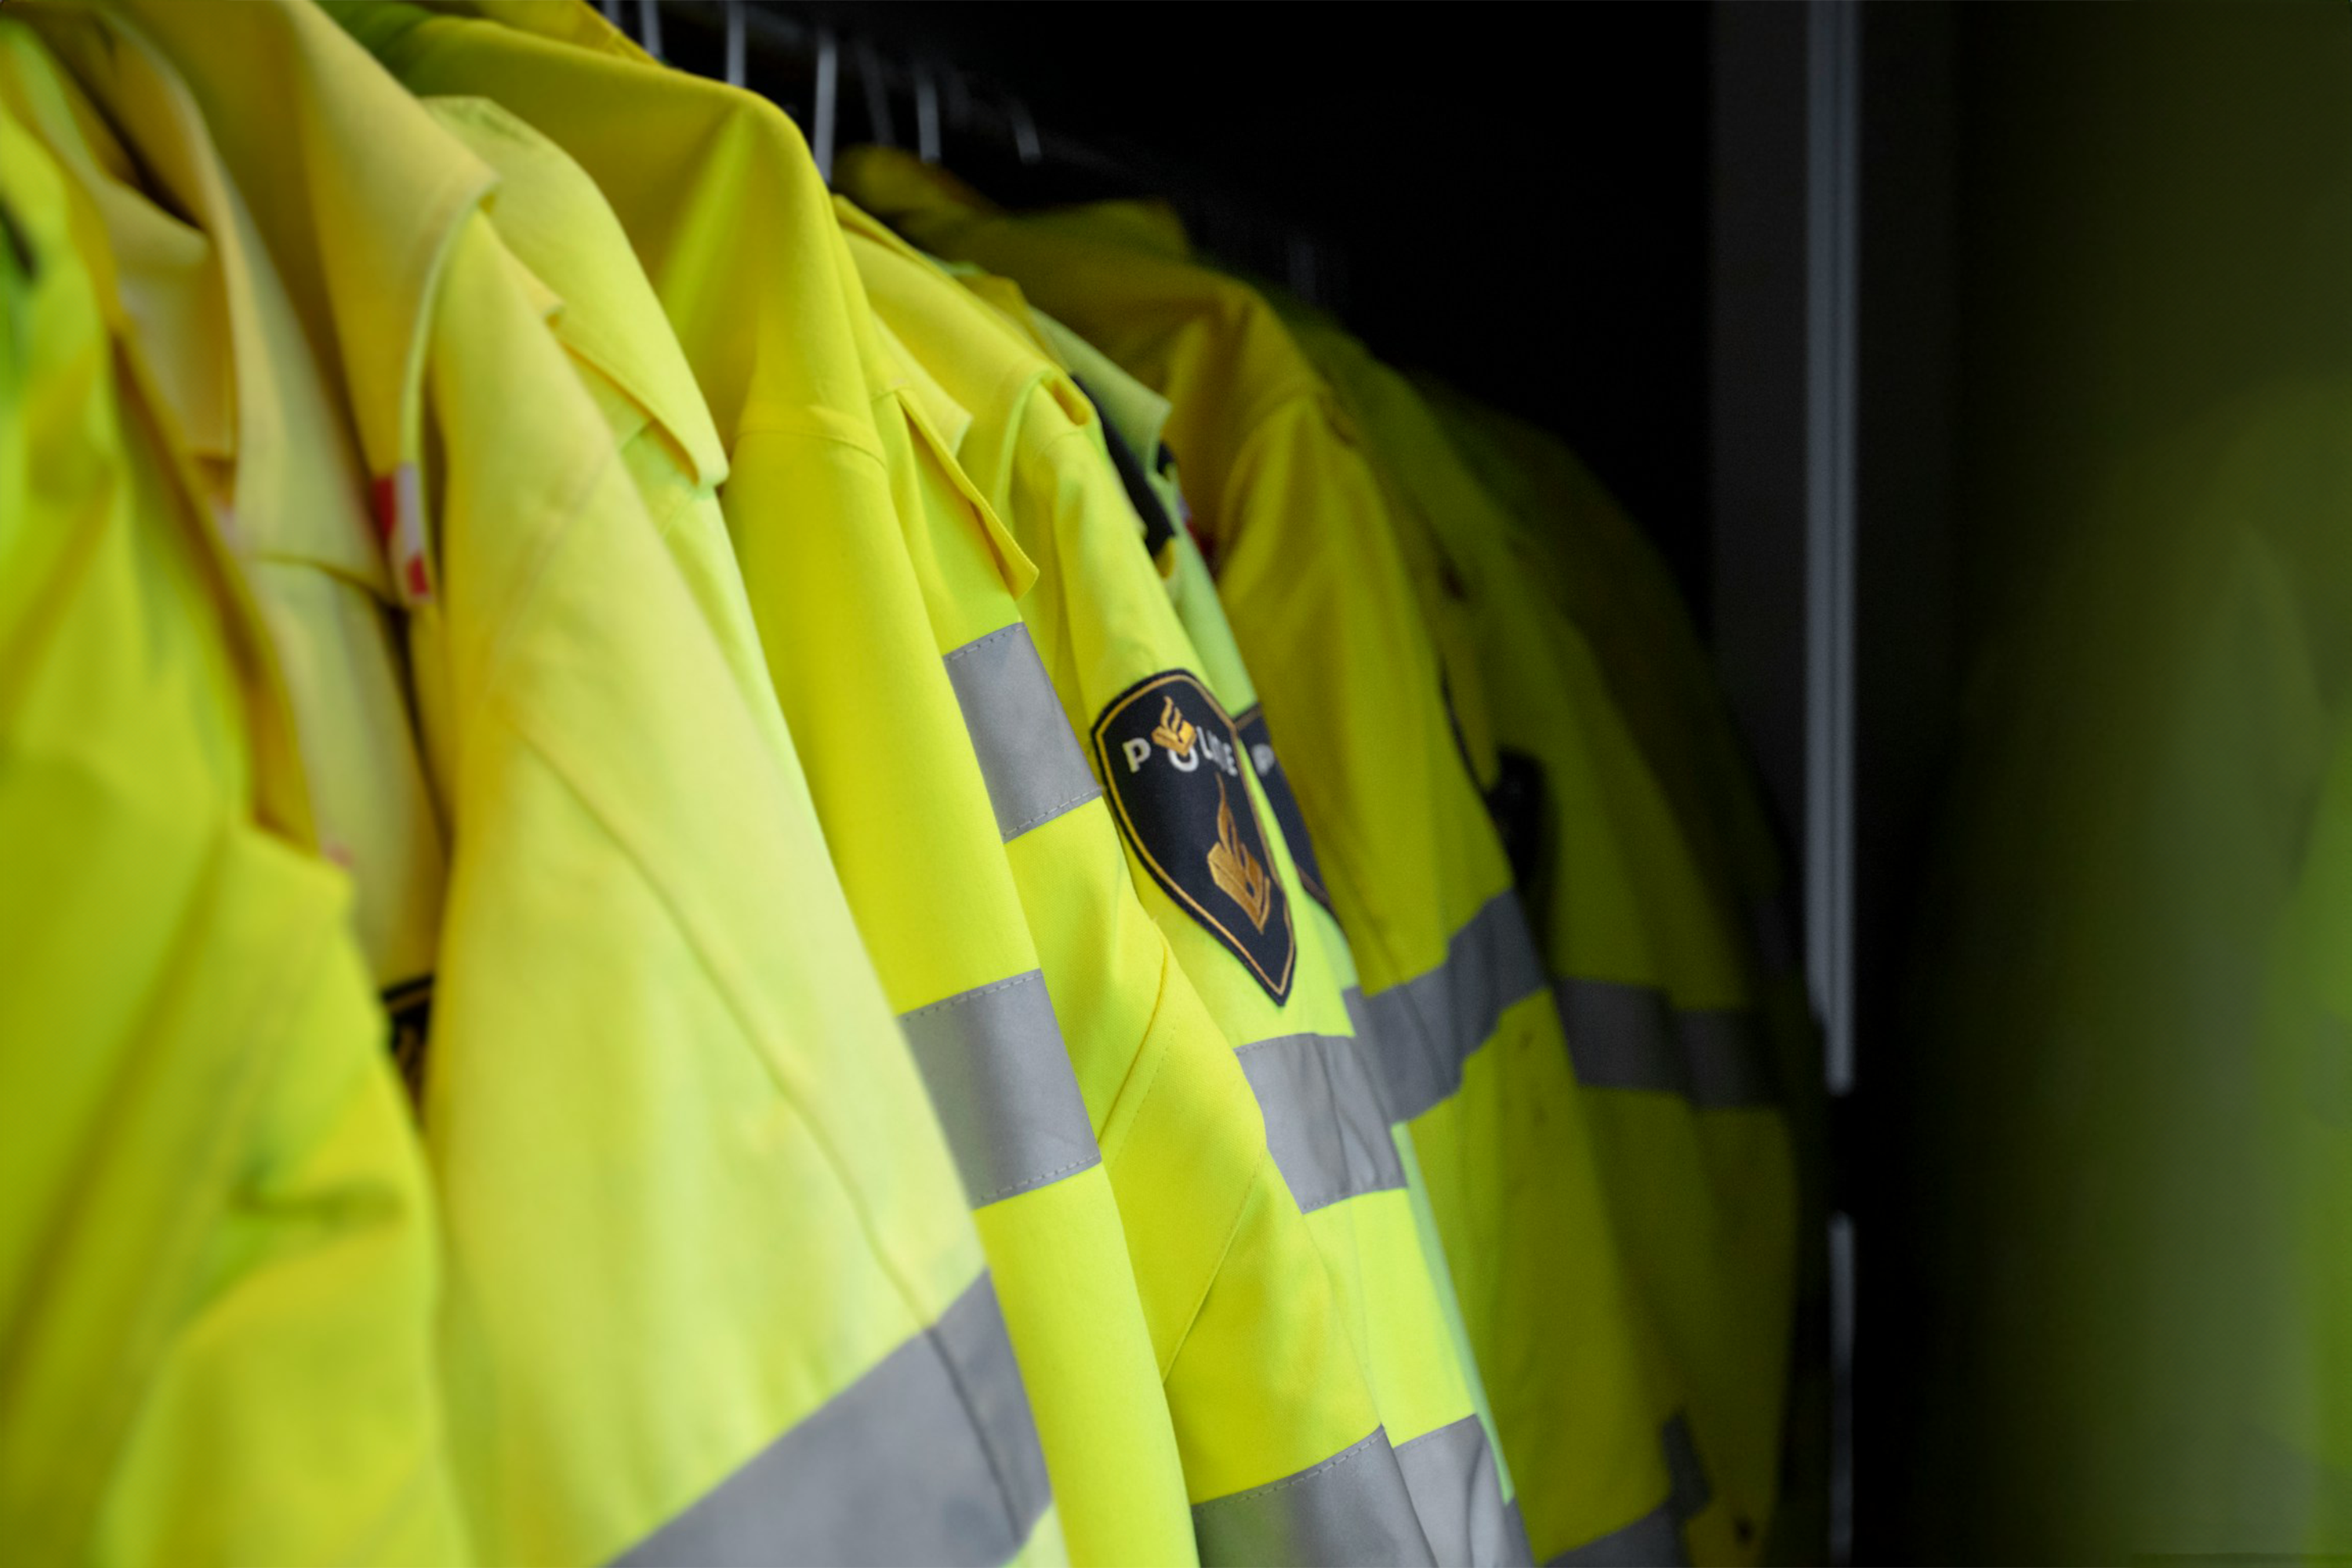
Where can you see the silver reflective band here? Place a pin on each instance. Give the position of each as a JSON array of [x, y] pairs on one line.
[[1325, 1123], [1000, 1079], [1650, 1542], [1688, 1492], [1351, 1508], [1421, 1032], [1451, 1474], [1621, 1037], [1630, 1037], [930, 1458], [1028, 753]]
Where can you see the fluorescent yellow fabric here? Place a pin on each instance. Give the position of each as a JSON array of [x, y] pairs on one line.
[[663, 1094], [904, 810], [1328, 619], [1593, 562], [1597, 565], [1703, 1181], [830, 617], [1103, 616], [968, 384], [219, 338], [217, 1262]]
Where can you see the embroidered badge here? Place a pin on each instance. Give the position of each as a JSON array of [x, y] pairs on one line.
[[1250, 726], [1172, 761]]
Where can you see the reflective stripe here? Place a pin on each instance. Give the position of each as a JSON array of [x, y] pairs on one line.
[[1451, 1474], [1630, 1037], [1621, 1037], [1000, 1079], [1652, 1541], [1421, 1032], [1028, 754], [931, 1457], [1351, 1508], [1690, 1492], [1325, 1123]]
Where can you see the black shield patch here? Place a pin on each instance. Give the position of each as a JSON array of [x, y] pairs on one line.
[[1259, 746], [1172, 761]]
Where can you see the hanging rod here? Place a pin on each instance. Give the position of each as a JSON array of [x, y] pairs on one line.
[[952, 104]]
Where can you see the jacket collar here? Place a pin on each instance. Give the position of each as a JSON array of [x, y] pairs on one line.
[[169, 273], [551, 215], [356, 191]]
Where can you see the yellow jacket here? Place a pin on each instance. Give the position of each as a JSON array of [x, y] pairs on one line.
[[644, 949], [218, 1262], [1214, 867], [1463, 1029], [817, 412], [1297, 1470], [1649, 966]]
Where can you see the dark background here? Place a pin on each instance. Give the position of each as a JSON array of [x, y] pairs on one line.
[[2080, 230], [1518, 196]]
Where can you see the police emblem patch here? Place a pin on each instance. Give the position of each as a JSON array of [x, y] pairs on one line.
[[1172, 761]]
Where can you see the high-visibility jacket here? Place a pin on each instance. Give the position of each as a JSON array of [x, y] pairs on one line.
[[1134, 414], [792, 375], [1301, 1471], [1461, 1022], [1107, 508], [966, 988], [1595, 564], [1597, 567], [1205, 861], [221, 343], [218, 1267], [713, 1290], [1648, 961]]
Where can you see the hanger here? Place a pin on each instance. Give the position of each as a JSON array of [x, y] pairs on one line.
[[735, 43], [826, 111], [649, 33], [1026, 141], [927, 114]]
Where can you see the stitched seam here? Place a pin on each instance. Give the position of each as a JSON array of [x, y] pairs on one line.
[[1092, 792], [999, 634], [981, 1431], [961, 998], [1376, 1184], [1030, 1183], [1347, 1455], [1249, 1190]]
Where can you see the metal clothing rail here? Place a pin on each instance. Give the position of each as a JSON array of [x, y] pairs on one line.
[[763, 46]]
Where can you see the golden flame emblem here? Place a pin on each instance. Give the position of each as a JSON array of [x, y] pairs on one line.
[[1235, 869], [1174, 730]]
